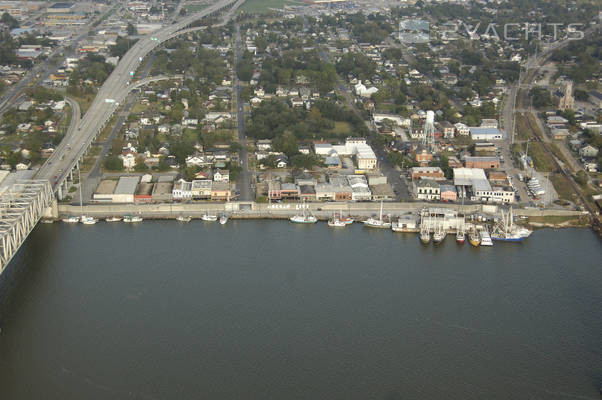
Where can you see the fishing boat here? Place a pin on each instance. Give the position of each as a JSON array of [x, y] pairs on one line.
[[505, 230], [335, 222], [425, 231], [460, 237], [208, 217], [439, 236], [347, 220], [84, 219], [47, 221], [132, 218], [113, 219], [474, 238], [182, 218], [304, 217], [378, 223], [486, 238], [223, 219], [71, 219]]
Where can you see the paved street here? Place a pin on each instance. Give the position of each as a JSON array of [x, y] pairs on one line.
[[243, 184]]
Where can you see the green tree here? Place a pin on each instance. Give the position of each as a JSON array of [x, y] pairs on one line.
[[113, 163]]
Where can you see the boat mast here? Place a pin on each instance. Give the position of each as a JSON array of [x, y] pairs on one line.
[[81, 206]]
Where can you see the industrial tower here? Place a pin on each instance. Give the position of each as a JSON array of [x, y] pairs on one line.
[[429, 131]]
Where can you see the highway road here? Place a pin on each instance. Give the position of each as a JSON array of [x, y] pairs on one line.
[[112, 93]]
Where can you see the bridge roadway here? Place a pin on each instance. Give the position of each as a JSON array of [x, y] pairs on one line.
[[59, 166]]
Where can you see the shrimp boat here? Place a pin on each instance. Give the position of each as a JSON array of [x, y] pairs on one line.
[[378, 223], [209, 217], [182, 218], [335, 222], [460, 237], [113, 219], [439, 236], [506, 231], [474, 238], [71, 219], [425, 231], [304, 218], [132, 218], [223, 219]]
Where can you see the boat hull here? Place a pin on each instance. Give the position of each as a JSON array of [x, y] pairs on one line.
[[512, 239]]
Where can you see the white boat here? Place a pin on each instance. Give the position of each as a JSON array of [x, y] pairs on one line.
[[182, 218], [113, 219], [505, 230], [486, 238], [209, 218], [460, 237], [132, 218], [304, 218], [439, 236], [336, 222], [378, 223], [71, 219], [88, 220], [223, 219]]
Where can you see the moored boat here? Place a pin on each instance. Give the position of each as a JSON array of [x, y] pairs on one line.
[[209, 217], [113, 219], [474, 238], [71, 219], [439, 236], [505, 230], [304, 217], [86, 220], [460, 237], [223, 219], [425, 237], [486, 238], [182, 218], [336, 222], [378, 223], [131, 218]]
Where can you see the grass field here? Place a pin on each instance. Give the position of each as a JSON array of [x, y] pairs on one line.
[[264, 6], [192, 8]]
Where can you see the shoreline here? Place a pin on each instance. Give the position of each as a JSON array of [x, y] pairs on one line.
[[532, 217]]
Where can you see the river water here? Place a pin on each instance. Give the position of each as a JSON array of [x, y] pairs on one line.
[[271, 310]]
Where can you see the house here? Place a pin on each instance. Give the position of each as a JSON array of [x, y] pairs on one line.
[[129, 160], [281, 161], [264, 144], [447, 129], [559, 133], [461, 129], [427, 189], [588, 151], [195, 160], [221, 175]]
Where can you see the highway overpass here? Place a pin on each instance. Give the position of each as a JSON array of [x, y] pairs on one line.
[[58, 168]]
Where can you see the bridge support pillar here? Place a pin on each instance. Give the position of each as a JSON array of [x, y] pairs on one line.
[[52, 211]]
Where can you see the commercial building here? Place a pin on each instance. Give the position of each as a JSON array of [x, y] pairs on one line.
[[426, 172], [360, 191], [482, 162], [486, 134], [427, 189]]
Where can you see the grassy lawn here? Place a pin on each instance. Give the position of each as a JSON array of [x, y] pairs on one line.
[[84, 102], [558, 219], [264, 6], [192, 8], [341, 128], [562, 186]]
